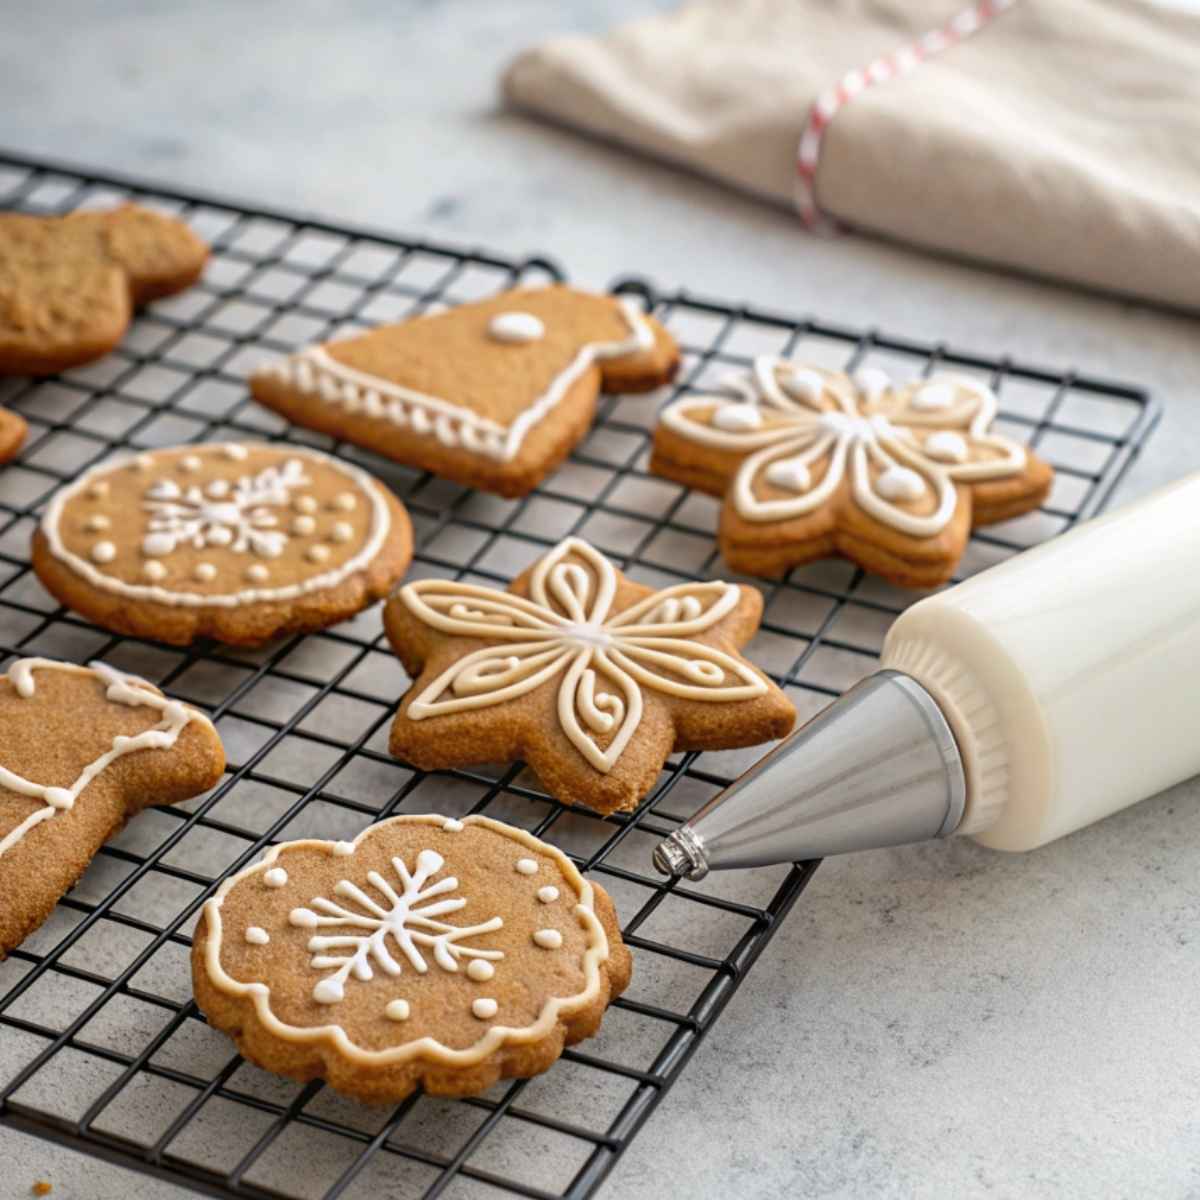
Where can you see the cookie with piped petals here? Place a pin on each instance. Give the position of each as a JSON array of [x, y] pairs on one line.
[[430, 952], [238, 542], [492, 394]]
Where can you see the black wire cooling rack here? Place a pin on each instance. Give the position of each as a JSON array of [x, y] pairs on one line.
[[101, 1046]]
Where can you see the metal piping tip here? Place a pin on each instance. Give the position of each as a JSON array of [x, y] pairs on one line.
[[878, 767]]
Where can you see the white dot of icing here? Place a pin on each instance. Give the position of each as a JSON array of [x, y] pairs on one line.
[[219, 535], [342, 531], [154, 571], [804, 384], [317, 553], [790, 473], [517, 327], [933, 397], [191, 462], [257, 573], [737, 418], [302, 918], [157, 544], [946, 446], [276, 877], [344, 502], [205, 572], [871, 382], [526, 866], [452, 825], [103, 552], [343, 849], [303, 525], [98, 490], [304, 504], [235, 452], [218, 488], [480, 970], [484, 1008], [257, 936], [900, 483], [97, 524], [548, 939], [328, 991], [547, 895], [397, 1010], [143, 462]]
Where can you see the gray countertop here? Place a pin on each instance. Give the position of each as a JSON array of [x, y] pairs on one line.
[[939, 1020]]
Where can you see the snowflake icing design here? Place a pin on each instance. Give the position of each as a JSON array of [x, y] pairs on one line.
[[237, 516], [567, 628], [804, 431], [407, 917]]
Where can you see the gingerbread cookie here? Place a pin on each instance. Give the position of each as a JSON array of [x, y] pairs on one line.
[[493, 394], [430, 951], [12, 433], [237, 542], [68, 285], [82, 749], [592, 679], [813, 463]]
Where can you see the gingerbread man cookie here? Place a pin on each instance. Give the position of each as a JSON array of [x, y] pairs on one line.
[[594, 680], [82, 749], [430, 951], [813, 463], [493, 394], [68, 285], [239, 542]]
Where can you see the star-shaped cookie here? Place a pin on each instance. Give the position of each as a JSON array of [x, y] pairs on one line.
[[589, 677], [492, 394], [813, 463], [68, 285]]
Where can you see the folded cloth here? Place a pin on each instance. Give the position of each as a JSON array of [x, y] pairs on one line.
[[1060, 137]]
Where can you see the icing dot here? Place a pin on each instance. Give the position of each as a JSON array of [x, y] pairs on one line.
[[871, 382], [302, 918], [526, 866], [516, 327], [157, 544], [946, 446], [343, 531], [98, 490], [548, 939], [304, 504], [103, 552], [317, 553], [328, 991], [143, 462], [397, 1010], [343, 849], [303, 525], [790, 473], [344, 502], [737, 418], [59, 798], [484, 1008], [547, 895], [257, 573], [205, 572], [191, 462], [804, 384], [480, 970], [235, 452], [257, 936], [219, 535], [154, 571], [899, 483], [218, 488], [452, 825], [97, 524], [933, 397], [276, 877]]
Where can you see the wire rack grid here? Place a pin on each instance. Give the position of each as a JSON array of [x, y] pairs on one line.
[[101, 1045]]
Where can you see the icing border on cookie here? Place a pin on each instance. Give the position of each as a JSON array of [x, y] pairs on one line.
[[315, 372], [381, 522], [596, 953], [121, 688]]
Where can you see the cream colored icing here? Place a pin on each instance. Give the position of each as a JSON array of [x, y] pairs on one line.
[[554, 1009], [120, 688], [604, 659], [315, 372]]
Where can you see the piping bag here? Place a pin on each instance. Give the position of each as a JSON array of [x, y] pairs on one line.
[[1022, 704]]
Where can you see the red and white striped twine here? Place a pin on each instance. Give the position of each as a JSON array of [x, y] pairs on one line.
[[889, 66]]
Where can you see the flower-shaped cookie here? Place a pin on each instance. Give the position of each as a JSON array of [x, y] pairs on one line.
[[591, 678], [813, 463]]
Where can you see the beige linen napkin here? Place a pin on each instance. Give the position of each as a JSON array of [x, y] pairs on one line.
[[1063, 138]]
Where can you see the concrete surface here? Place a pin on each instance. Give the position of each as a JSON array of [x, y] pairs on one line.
[[933, 1021]]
